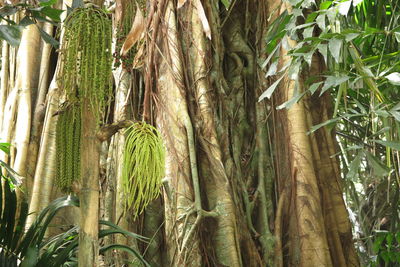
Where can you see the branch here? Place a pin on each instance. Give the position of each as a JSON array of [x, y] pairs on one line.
[[109, 130]]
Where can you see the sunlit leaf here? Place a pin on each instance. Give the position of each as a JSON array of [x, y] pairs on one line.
[[321, 21], [226, 3], [344, 7], [394, 78], [335, 46], [392, 144], [325, 5], [267, 93]]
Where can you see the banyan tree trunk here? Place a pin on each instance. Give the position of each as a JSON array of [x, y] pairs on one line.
[[314, 229]]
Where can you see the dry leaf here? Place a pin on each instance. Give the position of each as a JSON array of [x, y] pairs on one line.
[[203, 18], [181, 3], [138, 61], [135, 33]]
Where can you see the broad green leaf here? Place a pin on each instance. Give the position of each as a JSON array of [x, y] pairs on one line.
[[392, 144], [394, 78], [379, 169], [8, 10], [226, 3], [334, 47], [267, 93], [314, 87], [311, 17], [52, 13], [288, 104], [5, 147], [12, 34], [272, 69], [323, 49], [31, 257], [325, 5], [354, 167], [397, 35], [333, 81], [47, 2], [344, 7], [26, 21], [272, 54], [325, 123], [351, 36], [48, 39], [321, 21], [308, 32]]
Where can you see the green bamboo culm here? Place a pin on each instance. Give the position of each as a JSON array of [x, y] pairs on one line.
[[68, 134], [143, 166], [87, 60]]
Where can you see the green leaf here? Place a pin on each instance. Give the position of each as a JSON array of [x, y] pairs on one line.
[[267, 93], [394, 78], [379, 169], [226, 3], [52, 13], [308, 32], [288, 104], [314, 87], [5, 147], [325, 123], [48, 39], [321, 21], [335, 46], [26, 21], [12, 34], [397, 35], [323, 49], [333, 81], [344, 7], [31, 257], [325, 5], [8, 10], [392, 144], [354, 166], [47, 2]]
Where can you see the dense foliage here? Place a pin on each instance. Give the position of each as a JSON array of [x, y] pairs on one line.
[[358, 41]]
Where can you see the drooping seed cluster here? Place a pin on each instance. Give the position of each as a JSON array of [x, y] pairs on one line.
[[85, 74], [87, 59], [143, 166], [68, 147]]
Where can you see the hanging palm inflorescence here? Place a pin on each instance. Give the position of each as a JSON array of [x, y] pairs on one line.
[[85, 73], [143, 166]]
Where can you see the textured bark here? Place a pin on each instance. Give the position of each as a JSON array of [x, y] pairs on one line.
[[89, 192]]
